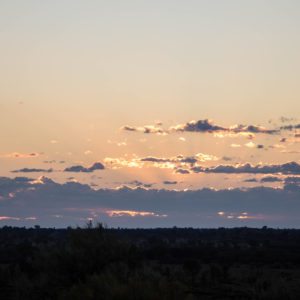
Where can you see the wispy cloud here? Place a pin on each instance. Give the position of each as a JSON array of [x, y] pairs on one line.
[[20, 155]]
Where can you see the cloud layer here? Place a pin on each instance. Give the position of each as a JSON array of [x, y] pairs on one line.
[[45, 202]]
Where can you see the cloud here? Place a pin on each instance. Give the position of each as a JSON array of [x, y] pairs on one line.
[[290, 127], [253, 145], [33, 170], [53, 161], [235, 146], [145, 129], [287, 168], [252, 129], [250, 145], [192, 164], [5, 218], [20, 155], [198, 126], [227, 158], [251, 180], [182, 171], [24, 179], [205, 126], [132, 213], [271, 179], [54, 204], [78, 169], [167, 182], [160, 162], [292, 180], [208, 126], [138, 183]]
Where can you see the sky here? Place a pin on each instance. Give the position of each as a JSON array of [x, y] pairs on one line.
[[150, 113]]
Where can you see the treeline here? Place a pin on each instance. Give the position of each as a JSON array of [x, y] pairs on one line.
[[177, 263]]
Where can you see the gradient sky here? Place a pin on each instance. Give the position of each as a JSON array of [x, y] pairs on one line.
[[143, 87]]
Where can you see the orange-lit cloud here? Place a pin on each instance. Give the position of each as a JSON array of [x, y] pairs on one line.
[[6, 218], [133, 213], [160, 162]]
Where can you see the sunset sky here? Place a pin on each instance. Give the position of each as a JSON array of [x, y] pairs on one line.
[[150, 113]]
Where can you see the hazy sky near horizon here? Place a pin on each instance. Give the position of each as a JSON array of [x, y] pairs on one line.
[[164, 94]]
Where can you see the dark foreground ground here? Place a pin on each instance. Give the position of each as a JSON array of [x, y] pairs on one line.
[[99, 263]]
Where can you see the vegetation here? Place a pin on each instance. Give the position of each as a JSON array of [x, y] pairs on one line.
[[100, 263]]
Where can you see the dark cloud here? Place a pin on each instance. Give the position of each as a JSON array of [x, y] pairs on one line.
[[145, 129], [77, 169], [200, 126], [292, 179], [129, 128], [182, 171], [290, 127], [203, 126], [33, 170], [287, 168], [23, 179], [53, 161], [167, 182], [71, 203], [271, 179], [155, 159], [178, 159], [227, 158], [252, 129], [140, 184], [251, 180]]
